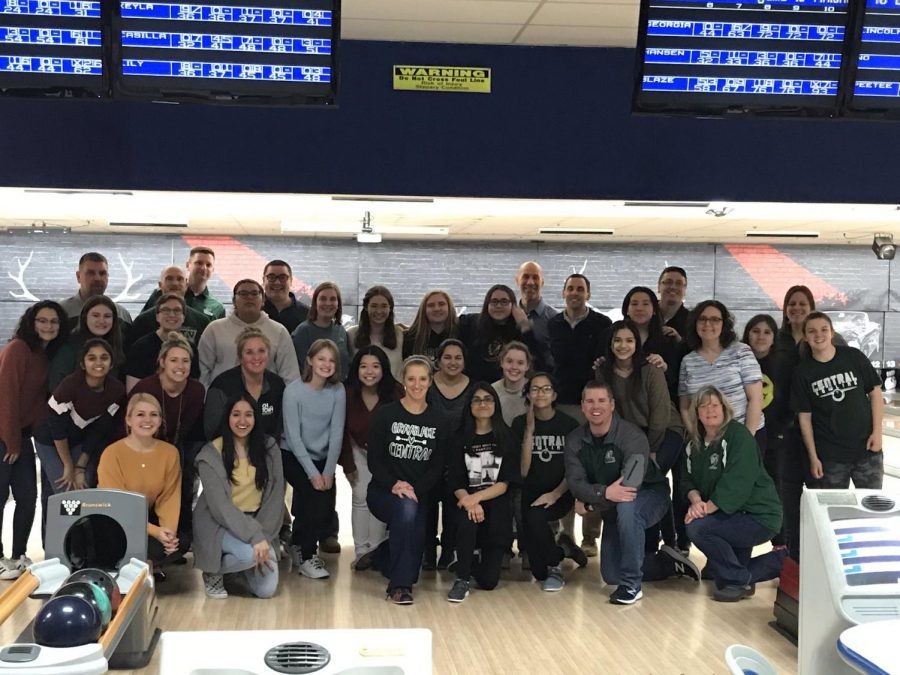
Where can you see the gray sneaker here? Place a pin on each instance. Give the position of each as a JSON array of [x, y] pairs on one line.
[[314, 568], [214, 585], [459, 592], [684, 566], [554, 581]]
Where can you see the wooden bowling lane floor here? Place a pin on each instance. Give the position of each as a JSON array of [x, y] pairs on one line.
[[676, 628]]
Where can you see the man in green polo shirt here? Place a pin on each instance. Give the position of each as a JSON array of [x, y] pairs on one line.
[[200, 267], [609, 470]]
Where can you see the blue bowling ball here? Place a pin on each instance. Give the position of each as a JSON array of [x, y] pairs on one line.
[[66, 621], [93, 594]]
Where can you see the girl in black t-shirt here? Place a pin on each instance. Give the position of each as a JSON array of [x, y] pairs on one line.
[[482, 464], [541, 435]]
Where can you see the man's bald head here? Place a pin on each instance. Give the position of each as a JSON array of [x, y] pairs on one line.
[[530, 280], [172, 280]]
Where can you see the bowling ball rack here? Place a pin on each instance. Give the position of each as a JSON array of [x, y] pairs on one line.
[[127, 643]]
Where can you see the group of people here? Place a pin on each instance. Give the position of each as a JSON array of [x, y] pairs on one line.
[[458, 434]]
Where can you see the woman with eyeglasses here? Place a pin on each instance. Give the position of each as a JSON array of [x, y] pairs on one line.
[[324, 323], [24, 368], [377, 327], [501, 321], [216, 351], [718, 359], [482, 464], [435, 322], [541, 436], [143, 355]]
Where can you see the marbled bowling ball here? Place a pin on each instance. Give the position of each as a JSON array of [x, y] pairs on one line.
[[102, 579], [66, 621], [93, 594]]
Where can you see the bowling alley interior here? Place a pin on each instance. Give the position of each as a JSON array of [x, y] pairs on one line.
[[264, 172]]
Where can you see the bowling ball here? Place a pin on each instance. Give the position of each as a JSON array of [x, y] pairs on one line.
[[93, 594], [66, 621], [102, 579]]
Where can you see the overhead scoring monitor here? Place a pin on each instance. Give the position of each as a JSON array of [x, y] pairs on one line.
[[740, 56], [876, 87], [51, 48], [265, 51]]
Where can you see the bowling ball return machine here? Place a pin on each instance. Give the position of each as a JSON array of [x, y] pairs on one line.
[[105, 529]]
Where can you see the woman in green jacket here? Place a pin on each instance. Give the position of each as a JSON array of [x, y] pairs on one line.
[[733, 502]]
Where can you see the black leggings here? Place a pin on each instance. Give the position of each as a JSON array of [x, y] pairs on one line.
[[312, 509], [540, 543], [21, 478]]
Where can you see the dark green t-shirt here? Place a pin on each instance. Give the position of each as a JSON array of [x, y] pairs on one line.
[[548, 466], [836, 393]]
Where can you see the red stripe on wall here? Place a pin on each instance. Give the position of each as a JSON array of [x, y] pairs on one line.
[[775, 272], [236, 261]]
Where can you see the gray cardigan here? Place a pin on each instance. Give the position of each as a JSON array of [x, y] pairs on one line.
[[215, 511]]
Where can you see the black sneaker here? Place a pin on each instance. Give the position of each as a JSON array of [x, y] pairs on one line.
[[400, 596], [684, 566], [625, 596], [732, 593], [459, 591], [570, 550]]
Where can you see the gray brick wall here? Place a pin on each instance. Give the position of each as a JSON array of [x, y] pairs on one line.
[[466, 270]]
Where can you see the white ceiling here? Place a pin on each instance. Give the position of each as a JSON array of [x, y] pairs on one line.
[[239, 214], [594, 23]]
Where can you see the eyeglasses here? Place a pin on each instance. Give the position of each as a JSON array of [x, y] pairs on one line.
[[272, 278], [676, 283], [170, 310], [709, 319], [485, 400], [500, 302], [248, 294], [47, 322], [544, 389]]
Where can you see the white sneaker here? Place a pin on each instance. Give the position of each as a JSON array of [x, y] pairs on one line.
[[12, 569], [314, 568], [214, 585]]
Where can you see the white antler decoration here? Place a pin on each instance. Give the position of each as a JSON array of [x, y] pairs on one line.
[[583, 268], [125, 296], [25, 294]]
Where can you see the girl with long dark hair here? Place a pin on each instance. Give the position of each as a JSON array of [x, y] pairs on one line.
[[99, 319], [659, 348], [483, 462], [239, 512], [369, 386], [24, 368]]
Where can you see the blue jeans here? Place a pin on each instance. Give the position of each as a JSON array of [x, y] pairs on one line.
[[622, 542], [237, 556], [20, 478], [406, 534], [727, 541]]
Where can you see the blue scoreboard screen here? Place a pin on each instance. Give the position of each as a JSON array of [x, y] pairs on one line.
[[51, 47], [241, 51], [741, 56], [876, 86]]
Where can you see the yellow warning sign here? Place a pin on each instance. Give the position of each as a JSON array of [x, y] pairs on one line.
[[443, 78]]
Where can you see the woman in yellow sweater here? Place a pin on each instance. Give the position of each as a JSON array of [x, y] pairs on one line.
[[142, 463]]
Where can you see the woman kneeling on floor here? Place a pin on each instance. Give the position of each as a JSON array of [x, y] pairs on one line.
[[240, 510], [733, 502], [481, 468]]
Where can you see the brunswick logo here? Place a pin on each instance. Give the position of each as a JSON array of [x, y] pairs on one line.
[[70, 507]]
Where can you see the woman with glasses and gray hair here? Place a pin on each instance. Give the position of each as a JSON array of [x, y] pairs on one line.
[[733, 502]]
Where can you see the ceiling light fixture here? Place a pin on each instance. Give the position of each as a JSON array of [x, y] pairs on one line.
[[576, 231], [367, 235], [804, 234], [883, 246]]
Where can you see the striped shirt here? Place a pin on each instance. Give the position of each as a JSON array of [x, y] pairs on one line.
[[732, 370]]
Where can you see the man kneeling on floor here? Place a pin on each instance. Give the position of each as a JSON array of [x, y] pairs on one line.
[[609, 469]]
